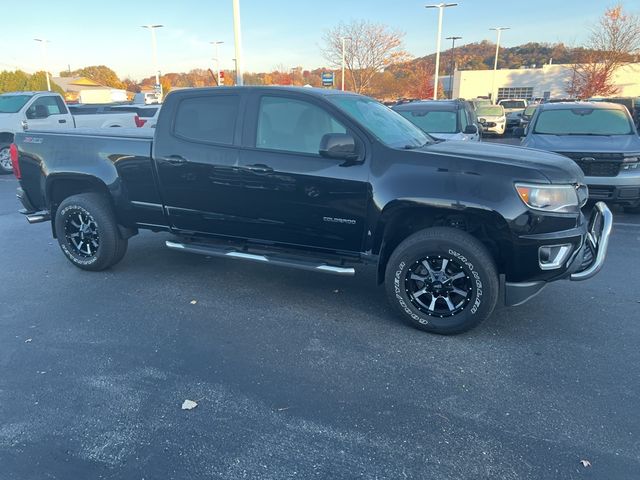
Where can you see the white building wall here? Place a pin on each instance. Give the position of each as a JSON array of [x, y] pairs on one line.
[[549, 78]]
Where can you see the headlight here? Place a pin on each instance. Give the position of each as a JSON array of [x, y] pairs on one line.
[[549, 198], [631, 162]]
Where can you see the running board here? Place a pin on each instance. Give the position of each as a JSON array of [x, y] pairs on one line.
[[38, 217], [214, 251]]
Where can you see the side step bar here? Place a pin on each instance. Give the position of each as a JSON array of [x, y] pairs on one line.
[[38, 217], [228, 252]]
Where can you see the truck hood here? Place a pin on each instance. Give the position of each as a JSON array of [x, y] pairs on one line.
[[584, 143], [557, 168]]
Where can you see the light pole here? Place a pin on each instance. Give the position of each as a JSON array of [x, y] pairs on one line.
[[344, 41], [237, 34], [453, 63], [495, 63], [216, 44], [43, 44], [154, 47], [440, 7]]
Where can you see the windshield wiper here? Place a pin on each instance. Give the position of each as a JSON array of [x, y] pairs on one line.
[[590, 134]]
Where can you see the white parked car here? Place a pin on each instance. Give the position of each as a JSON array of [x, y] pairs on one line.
[[21, 111], [513, 108], [492, 118], [147, 98]]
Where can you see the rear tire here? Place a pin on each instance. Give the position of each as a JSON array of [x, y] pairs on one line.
[[5, 159], [442, 280], [88, 233]]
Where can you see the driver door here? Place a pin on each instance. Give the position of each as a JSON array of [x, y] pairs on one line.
[[48, 113]]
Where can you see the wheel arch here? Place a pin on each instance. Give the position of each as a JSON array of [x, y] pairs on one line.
[[402, 218], [6, 137], [62, 186]]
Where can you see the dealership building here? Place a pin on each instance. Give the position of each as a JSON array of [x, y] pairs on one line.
[[549, 81]]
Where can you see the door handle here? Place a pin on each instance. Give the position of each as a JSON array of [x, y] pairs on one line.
[[259, 168], [175, 159], [62, 121]]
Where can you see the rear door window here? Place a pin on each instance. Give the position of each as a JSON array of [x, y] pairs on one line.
[[210, 119]]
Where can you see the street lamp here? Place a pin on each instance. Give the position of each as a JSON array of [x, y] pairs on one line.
[[495, 63], [453, 63], [154, 48], [43, 44], [344, 40], [440, 7], [237, 35], [216, 44]]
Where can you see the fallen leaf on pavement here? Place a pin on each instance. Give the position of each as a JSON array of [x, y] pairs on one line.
[[189, 405]]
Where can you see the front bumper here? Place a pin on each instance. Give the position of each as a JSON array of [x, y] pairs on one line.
[[595, 248], [585, 262]]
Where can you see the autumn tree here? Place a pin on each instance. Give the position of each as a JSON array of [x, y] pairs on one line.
[[98, 73], [369, 49], [421, 84], [611, 43]]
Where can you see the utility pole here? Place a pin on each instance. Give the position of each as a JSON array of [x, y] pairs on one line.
[[495, 63], [440, 7], [154, 51], [344, 40], [43, 44], [453, 63], [217, 44], [237, 33]]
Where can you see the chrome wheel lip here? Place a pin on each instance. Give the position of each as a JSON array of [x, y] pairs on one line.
[[438, 286], [81, 233], [5, 159]]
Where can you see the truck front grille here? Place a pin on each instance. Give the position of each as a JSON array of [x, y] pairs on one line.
[[597, 164]]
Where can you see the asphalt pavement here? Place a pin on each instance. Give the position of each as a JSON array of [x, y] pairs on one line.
[[300, 375]]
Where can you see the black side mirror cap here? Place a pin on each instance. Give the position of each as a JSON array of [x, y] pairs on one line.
[[471, 130], [341, 146]]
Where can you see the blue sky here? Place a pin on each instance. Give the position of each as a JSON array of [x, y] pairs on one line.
[[275, 32]]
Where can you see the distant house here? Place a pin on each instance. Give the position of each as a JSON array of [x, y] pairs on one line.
[[85, 90]]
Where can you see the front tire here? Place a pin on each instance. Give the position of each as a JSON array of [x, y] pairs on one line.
[[88, 233], [5, 159], [442, 280]]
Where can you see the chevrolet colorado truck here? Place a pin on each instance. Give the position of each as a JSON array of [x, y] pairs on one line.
[[21, 111], [323, 181]]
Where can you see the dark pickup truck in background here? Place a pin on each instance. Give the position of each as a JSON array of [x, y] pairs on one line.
[[321, 180]]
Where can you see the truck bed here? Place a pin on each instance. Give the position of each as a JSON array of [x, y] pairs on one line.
[[52, 161]]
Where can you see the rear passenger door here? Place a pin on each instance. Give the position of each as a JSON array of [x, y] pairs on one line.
[[196, 160], [292, 194]]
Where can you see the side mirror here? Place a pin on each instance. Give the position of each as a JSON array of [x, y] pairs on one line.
[[471, 130], [338, 145], [518, 132]]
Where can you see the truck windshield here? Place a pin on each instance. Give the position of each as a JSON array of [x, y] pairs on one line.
[[583, 121], [386, 125], [13, 103], [513, 104]]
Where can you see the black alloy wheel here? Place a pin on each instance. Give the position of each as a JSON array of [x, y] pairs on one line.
[[438, 286]]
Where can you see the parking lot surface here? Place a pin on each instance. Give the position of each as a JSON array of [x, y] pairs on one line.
[[303, 376]]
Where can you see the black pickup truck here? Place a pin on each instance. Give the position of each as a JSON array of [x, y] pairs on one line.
[[324, 181]]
